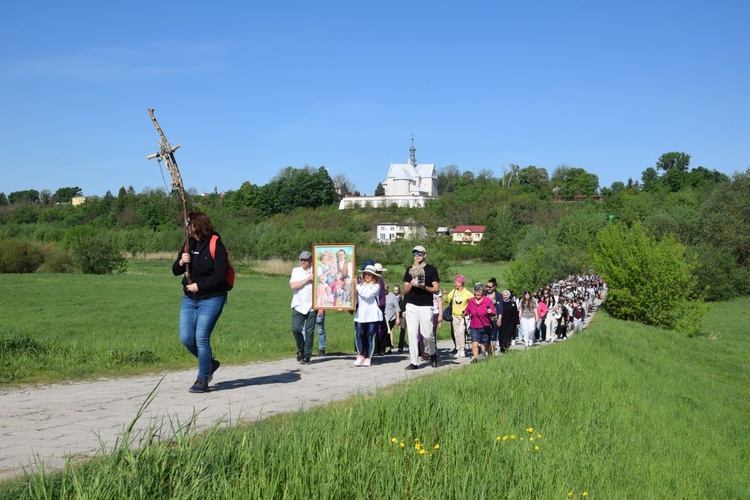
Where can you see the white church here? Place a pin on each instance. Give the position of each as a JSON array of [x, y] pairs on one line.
[[408, 185]]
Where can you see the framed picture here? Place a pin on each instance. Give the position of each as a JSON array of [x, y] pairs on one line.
[[335, 276]]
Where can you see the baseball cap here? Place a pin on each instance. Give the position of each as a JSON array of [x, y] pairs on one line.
[[419, 248]]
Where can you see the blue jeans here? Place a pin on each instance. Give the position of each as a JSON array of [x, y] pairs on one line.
[[197, 321], [320, 324], [365, 338]]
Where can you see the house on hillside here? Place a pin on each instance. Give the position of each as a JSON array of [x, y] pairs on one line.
[[467, 235], [408, 184], [388, 232]]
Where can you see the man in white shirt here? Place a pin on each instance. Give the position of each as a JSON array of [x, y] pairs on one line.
[[303, 315]]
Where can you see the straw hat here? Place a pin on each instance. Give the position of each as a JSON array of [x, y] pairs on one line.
[[371, 270]]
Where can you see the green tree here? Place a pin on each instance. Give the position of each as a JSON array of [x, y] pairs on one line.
[[380, 190], [578, 181], [27, 196], [3, 200], [534, 177], [65, 194], [674, 159], [651, 180], [725, 218], [446, 178], [649, 281]]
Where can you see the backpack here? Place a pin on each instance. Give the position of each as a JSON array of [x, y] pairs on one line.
[[230, 269], [448, 310]]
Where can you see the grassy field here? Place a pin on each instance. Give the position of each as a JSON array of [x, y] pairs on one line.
[[73, 326], [620, 411]]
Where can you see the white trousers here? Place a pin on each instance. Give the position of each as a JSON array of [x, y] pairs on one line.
[[528, 326], [459, 330], [419, 320]]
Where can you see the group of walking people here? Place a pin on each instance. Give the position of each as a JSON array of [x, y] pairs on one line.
[[491, 320]]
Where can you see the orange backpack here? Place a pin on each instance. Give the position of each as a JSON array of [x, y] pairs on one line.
[[230, 269]]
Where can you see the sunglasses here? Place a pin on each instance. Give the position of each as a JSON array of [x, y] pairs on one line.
[[416, 253], [490, 286]]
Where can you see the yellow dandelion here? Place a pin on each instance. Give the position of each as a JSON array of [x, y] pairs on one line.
[[536, 448], [505, 438], [437, 446], [530, 430], [498, 438], [570, 494], [513, 436], [539, 436], [422, 452], [585, 494], [521, 439], [531, 438], [394, 440], [401, 444], [417, 446], [416, 440]]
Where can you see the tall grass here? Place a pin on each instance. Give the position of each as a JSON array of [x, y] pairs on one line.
[[619, 411]]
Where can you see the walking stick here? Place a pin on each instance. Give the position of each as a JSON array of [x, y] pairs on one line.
[[166, 153]]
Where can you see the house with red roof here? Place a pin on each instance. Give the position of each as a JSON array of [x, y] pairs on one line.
[[467, 235]]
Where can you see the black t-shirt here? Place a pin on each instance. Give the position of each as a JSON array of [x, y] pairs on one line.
[[420, 296]]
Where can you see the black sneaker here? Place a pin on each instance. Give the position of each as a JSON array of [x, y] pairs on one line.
[[300, 355], [214, 366], [434, 360], [412, 367], [306, 360], [200, 385], [474, 361], [454, 351], [321, 353]]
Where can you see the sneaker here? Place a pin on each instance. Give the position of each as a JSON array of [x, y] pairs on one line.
[[200, 385], [434, 360], [454, 351], [214, 366], [300, 355], [306, 360], [367, 362], [321, 353], [474, 361], [411, 367], [359, 361]]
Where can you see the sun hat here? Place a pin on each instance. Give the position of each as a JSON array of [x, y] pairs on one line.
[[379, 268], [305, 255], [371, 270], [460, 278], [419, 248]]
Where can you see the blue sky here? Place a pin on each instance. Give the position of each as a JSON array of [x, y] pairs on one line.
[[248, 88]]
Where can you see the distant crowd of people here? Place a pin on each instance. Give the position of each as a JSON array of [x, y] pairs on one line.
[[483, 321]]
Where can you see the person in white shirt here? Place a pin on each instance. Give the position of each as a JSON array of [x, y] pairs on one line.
[[303, 314], [367, 316]]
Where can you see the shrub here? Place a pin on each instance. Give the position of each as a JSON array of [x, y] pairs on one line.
[[98, 255], [649, 281], [56, 260], [20, 256]]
